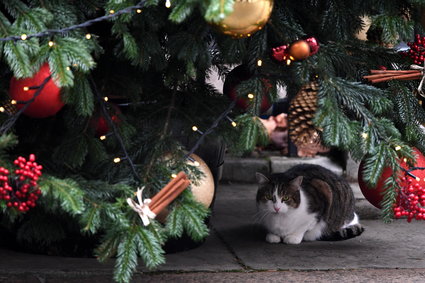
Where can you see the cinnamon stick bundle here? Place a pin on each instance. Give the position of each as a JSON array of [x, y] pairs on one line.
[[170, 192], [387, 75]]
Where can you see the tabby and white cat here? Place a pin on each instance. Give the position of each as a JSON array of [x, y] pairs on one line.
[[307, 202]]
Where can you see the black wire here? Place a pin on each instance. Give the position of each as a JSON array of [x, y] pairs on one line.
[[111, 124], [12, 120], [5, 127], [210, 129], [88, 23]]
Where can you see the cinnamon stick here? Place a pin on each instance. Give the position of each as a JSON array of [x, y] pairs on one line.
[[389, 74], [399, 77], [183, 184], [166, 194], [393, 71], [180, 175]]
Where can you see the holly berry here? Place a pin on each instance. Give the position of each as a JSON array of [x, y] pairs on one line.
[[410, 201], [417, 50], [20, 190]]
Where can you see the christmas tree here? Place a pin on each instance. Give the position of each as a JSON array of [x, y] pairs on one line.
[[102, 98]]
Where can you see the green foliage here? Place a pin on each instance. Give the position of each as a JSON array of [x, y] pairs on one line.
[[62, 194], [214, 10], [154, 67], [7, 141]]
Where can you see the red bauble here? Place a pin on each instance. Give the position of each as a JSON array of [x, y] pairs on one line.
[[374, 195], [233, 79], [101, 125], [47, 103]]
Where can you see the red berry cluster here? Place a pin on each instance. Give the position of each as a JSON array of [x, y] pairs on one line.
[[410, 201], [417, 50], [20, 190]]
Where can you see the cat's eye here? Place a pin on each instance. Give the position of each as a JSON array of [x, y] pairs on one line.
[[285, 198], [268, 196]]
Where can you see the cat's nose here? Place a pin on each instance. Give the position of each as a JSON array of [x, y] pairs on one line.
[[276, 208]]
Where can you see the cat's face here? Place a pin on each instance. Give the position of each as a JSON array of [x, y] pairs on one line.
[[277, 197]]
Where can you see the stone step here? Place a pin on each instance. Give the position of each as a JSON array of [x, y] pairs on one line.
[[243, 169]]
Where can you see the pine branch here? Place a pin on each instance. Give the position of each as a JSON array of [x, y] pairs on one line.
[[91, 219], [64, 31], [64, 192], [126, 261], [149, 248], [174, 224]]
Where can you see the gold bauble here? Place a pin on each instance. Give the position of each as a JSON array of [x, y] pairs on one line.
[[202, 189], [248, 16], [299, 50]]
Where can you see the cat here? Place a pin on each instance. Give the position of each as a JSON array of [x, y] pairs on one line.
[[306, 203]]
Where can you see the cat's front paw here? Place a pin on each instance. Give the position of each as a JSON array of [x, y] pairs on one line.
[[272, 238], [292, 239]]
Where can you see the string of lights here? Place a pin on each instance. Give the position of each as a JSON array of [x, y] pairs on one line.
[[210, 129], [63, 31], [408, 171], [8, 124], [112, 126]]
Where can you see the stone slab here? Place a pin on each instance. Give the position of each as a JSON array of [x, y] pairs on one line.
[[210, 256], [244, 169], [292, 276], [282, 163]]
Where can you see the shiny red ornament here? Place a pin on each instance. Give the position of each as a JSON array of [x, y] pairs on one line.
[[100, 124], [233, 79], [46, 104], [375, 194]]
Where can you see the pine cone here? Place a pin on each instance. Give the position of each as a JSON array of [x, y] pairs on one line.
[[302, 131]]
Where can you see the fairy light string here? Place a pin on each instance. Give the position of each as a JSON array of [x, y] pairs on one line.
[[210, 129], [8, 124], [112, 126], [64, 31]]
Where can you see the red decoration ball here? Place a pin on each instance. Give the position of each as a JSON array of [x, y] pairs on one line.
[[46, 104], [101, 125], [375, 195], [233, 79]]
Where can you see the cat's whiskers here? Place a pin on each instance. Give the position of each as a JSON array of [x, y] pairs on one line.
[[260, 215]]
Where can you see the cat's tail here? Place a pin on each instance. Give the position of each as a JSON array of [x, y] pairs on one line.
[[344, 233]]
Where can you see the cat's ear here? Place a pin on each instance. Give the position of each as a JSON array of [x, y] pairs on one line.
[[296, 183], [261, 179]]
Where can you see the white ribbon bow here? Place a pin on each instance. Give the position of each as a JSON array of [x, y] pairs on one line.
[[417, 67], [142, 208]]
